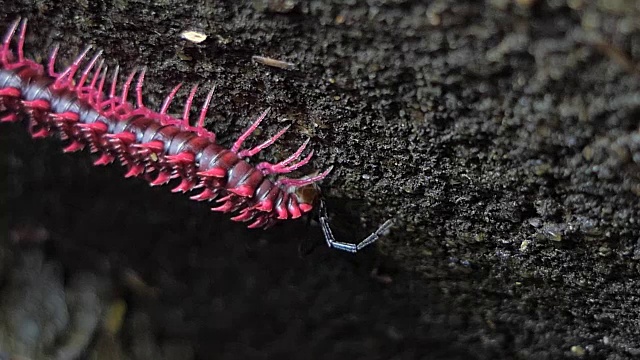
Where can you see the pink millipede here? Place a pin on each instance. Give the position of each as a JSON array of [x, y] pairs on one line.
[[78, 106]]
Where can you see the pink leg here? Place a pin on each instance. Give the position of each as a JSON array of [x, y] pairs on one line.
[[154, 146], [184, 186], [199, 128], [100, 93], [38, 134], [206, 194], [6, 52], [281, 167], [139, 88], [304, 181], [96, 74], [52, 62], [227, 204], [65, 117], [23, 33], [167, 101], [127, 85], [162, 115], [97, 128], [112, 101], [119, 105], [112, 105], [91, 90], [295, 155], [181, 158], [21, 60], [9, 118], [127, 138], [264, 145], [73, 147], [66, 77], [187, 107], [134, 170], [163, 177], [7, 42], [236, 146], [104, 159], [205, 107], [258, 223], [87, 70]]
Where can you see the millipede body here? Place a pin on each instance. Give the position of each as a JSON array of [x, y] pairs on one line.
[[81, 106]]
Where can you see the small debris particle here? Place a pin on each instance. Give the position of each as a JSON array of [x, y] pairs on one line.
[[542, 169], [27, 233], [525, 3], [575, 4], [223, 40], [86, 308], [193, 36], [604, 251], [135, 283], [273, 62], [434, 18], [619, 56], [178, 349], [577, 350], [115, 316], [184, 57], [500, 4], [277, 6], [394, 334], [535, 222], [380, 277], [553, 232]]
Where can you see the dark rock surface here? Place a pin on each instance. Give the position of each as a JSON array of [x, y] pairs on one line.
[[502, 135]]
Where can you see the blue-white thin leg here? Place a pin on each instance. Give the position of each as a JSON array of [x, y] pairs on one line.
[[331, 240]]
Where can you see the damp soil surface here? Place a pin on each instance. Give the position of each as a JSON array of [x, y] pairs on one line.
[[502, 136]]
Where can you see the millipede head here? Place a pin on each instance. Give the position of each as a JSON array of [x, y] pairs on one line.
[[307, 196]]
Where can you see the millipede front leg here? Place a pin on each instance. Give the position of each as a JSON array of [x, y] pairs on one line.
[[332, 242]]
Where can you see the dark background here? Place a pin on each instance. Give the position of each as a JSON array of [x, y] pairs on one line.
[[503, 137]]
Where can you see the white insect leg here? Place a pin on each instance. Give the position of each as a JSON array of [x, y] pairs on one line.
[[332, 242]]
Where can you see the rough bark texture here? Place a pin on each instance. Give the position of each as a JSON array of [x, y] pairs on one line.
[[502, 135]]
